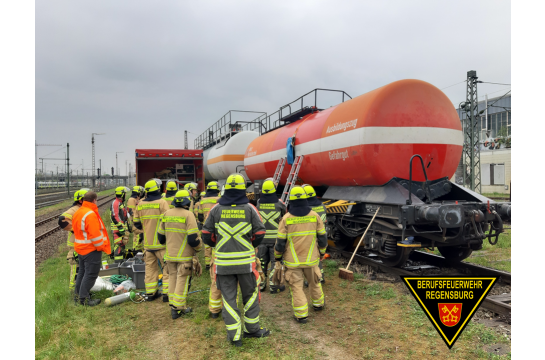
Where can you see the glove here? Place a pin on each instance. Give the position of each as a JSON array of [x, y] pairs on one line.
[[277, 277], [121, 232], [197, 266], [112, 255], [322, 257]]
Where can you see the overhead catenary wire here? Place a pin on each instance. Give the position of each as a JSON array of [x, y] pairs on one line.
[[453, 85], [486, 82]]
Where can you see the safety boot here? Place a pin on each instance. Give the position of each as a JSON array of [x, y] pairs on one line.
[[301, 320], [207, 267], [89, 302], [262, 286], [214, 315], [258, 334], [319, 308], [177, 313], [274, 289], [165, 297], [152, 297]]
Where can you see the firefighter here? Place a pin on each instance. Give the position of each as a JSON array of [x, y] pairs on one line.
[[138, 236], [179, 231], [208, 201], [320, 209], [193, 192], [234, 228], [172, 189], [271, 211], [119, 223], [149, 213], [302, 242], [197, 207], [65, 223]]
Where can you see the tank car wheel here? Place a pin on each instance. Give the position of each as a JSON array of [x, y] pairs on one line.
[[343, 242], [454, 254], [399, 259]]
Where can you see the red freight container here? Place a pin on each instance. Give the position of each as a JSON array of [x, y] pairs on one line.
[[184, 165]]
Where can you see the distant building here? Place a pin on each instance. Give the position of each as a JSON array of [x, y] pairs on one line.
[[495, 149]]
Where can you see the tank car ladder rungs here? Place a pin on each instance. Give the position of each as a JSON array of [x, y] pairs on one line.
[[279, 170], [292, 178]]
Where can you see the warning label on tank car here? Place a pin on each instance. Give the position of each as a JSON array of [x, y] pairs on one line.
[[449, 302], [338, 155], [342, 126]]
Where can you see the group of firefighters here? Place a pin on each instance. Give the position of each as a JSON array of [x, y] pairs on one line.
[[241, 242]]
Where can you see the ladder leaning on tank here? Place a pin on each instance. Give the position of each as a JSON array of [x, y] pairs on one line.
[[292, 178]]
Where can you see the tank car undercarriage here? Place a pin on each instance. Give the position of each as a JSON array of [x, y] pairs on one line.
[[439, 214]]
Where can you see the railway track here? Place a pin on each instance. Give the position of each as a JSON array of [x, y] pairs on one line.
[[106, 199], [43, 200], [500, 304]]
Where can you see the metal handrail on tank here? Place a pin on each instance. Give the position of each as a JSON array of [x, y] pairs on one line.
[[225, 128]]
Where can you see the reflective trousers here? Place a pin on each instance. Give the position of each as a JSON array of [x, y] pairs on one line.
[[295, 279], [207, 254], [265, 253], [73, 269], [152, 271], [137, 239], [214, 298], [180, 283], [227, 284]]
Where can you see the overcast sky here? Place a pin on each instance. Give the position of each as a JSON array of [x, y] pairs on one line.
[[143, 71]]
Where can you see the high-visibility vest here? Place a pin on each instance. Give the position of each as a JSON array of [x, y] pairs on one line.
[[89, 231]]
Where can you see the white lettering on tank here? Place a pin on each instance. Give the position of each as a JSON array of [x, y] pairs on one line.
[[250, 152], [336, 155], [342, 126]]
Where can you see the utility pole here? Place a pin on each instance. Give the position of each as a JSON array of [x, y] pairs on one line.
[[36, 159], [68, 167], [471, 157], [185, 139], [116, 166], [93, 158], [100, 180]]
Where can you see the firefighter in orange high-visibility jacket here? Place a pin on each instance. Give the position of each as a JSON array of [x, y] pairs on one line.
[[301, 243], [149, 213], [208, 201], [65, 223], [179, 231], [138, 235]]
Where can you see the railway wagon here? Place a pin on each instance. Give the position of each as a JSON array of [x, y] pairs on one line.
[[391, 152]]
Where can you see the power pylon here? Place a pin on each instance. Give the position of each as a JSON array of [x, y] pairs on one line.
[[471, 157]]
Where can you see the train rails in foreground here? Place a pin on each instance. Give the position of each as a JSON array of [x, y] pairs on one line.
[[56, 228], [500, 304]]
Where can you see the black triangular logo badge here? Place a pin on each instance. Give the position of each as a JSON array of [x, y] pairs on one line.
[[449, 301]]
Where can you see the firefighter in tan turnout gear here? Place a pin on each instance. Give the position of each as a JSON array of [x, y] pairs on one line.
[[271, 211], [172, 189], [65, 223], [234, 228], [302, 242], [208, 201], [138, 235], [320, 209], [119, 223], [149, 213], [178, 230]]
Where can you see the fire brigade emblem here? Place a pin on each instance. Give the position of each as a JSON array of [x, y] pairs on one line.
[[449, 314]]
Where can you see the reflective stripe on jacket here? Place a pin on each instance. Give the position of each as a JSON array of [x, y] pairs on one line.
[[89, 231], [68, 214], [297, 237], [234, 227], [176, 225], [149, 213], [131, 205], [321, 210], [207, 204], [271, 214]]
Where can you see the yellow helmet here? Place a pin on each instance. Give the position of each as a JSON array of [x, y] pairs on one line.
[[203, 193], [268, 187], [120, 190], [212, 185], [78, 195], [309, 190], [235, 181], [152, 185], [297, 193], [136, 188], [172, 185], [182, 196], [190, 186]]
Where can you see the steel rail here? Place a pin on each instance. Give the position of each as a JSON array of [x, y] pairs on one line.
[[495, 304], [57, 228]]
